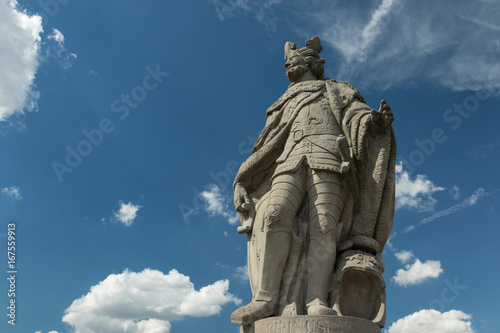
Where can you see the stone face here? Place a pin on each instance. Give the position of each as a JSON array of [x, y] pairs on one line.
[[316, 201]]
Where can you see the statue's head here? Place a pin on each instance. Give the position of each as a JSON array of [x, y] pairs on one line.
[[299, 62]]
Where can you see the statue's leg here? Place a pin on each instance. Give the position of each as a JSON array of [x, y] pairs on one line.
[[326, 199], [287, 192]]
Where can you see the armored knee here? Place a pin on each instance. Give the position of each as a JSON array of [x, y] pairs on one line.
[[323, 226], [277, 216]]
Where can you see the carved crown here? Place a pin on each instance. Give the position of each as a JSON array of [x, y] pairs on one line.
[[313, 44]]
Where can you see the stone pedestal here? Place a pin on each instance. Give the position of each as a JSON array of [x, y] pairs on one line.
[[312, 324]]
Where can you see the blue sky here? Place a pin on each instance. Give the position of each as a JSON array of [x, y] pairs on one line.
[[123, 125]]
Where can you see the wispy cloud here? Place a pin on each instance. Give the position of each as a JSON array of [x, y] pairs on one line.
[[455, 192], [470, 201], [60, 53], [242, 273], [216, 204], [19, 46], [481, 23], [408, 41], [392, 42], [374, 28], [57, 36], [432, 321], [467, 202], [127, 213], [13, 193], [261, 10], [145, 302], [484, 150], [416, 193]]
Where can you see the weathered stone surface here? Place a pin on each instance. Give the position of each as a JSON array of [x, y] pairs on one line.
[[315, 324], [316, 201]]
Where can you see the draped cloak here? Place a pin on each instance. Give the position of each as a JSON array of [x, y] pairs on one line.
[[369, 208]]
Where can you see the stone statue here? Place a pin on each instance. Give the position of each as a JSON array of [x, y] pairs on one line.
[[316, 201]]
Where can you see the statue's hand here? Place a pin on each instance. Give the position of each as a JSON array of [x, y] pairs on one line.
[[241, 199], [383, 118]]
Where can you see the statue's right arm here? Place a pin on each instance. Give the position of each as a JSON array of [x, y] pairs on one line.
[[262, 157], [381, 119], [241, 198]]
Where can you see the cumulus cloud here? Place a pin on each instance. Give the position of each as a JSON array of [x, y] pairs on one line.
[[19, 46], [414, 192], [145, 302], [127, 213], [13, 192], [417, 272], [216, 204], [432, 321]]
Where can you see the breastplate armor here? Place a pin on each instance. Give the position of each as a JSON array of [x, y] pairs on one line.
[[312, 138]]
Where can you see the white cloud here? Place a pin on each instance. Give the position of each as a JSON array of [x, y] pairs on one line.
[[414, 193], [57, 36], [435, 41], [144, 302], [216, 204], [388, 42], [13, 192], [19, 46], [59, 51], [404, 256], [411, 41], [432, 321], [374, 28], [473, 199], [127, 213], [417, 272]]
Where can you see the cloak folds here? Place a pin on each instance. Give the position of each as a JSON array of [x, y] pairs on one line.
[[369, 208]]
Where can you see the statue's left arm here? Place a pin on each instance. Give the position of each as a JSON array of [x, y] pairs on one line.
[[372, 141]]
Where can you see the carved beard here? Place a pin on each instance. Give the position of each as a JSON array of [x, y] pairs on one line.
[[294, 73]]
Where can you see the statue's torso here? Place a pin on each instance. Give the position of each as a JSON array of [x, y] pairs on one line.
[[312, 137]]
